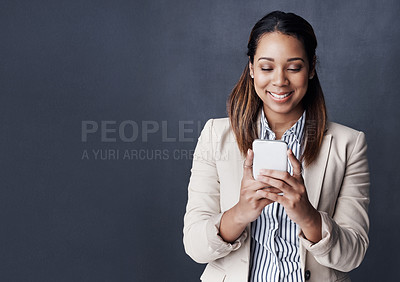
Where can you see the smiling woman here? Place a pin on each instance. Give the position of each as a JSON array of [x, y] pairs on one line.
[[307, 223]]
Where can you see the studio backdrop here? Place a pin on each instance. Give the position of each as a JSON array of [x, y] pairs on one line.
[[102, 103]]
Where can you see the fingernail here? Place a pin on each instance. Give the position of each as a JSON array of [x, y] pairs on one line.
[[248, 151]]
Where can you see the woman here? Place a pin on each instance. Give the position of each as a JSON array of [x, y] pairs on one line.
[[307, 224]]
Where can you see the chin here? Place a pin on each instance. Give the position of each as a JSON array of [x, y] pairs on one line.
[[284, 109]]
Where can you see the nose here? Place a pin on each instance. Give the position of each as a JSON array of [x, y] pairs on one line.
[[279, 78]]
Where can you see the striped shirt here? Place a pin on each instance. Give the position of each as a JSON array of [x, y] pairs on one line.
[[274, 236]]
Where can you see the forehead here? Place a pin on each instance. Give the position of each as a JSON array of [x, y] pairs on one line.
[[279, 46]]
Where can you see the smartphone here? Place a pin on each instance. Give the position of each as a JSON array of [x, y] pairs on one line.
[[269, 154]]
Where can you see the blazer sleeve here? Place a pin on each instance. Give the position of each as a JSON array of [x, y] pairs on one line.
[[203, 212], [345, 235]]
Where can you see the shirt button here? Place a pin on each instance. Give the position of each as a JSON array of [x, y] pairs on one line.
[[308, 275]]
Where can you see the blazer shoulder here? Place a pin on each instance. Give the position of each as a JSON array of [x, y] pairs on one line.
[[336, 129], [346, 139], [219, 126], [221, 122]]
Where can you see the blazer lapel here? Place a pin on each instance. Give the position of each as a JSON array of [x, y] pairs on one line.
[[314, 174]]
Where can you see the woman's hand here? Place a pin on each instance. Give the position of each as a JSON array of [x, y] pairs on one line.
[[294, 198], [251, 201], [250, 205]]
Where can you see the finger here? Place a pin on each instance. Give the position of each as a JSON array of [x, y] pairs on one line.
[[257, 185], [271, 189], [276, 183], [297, 169], [265, 202], [248, 164], [271, 196], [279, 175], [259, 195]]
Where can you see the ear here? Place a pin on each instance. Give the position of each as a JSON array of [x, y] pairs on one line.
[[312, 68], [251, 69]]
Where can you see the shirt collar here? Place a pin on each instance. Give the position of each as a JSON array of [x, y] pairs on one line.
[[297, 129]]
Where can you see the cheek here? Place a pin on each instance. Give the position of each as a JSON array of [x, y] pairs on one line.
[[261, 82], [301, 82], [259, 88]]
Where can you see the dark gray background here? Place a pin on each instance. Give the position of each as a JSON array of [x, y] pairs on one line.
[[64, 62]]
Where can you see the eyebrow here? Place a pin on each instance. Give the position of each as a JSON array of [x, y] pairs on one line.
[[289, 60]]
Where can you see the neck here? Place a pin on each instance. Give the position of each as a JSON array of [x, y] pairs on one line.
[[279, 123]]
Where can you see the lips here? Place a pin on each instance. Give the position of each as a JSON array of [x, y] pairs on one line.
[[280, 96]]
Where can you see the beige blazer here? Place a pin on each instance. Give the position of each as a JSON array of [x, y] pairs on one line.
[[337, 184]]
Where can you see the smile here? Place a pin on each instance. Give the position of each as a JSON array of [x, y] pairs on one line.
[[280, 95]]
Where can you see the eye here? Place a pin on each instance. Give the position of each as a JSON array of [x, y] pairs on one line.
[[294, 69], [266, 69]]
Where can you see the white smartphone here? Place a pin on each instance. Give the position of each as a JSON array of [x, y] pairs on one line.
[[269, 154]]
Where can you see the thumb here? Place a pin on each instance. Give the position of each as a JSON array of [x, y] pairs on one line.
[[248, 164], [297, 169]]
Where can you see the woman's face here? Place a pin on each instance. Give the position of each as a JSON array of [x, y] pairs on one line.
[[281, 73]]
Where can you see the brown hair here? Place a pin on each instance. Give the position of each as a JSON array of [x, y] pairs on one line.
[[244, 104]]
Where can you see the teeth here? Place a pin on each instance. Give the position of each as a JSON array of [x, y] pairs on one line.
[[280, 96]]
